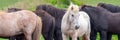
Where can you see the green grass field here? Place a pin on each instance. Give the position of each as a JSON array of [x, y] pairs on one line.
[[31, 5]]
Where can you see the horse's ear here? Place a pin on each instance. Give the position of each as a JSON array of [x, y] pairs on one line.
[[71, 3], [72, 8], [83, 6], [100, 4]]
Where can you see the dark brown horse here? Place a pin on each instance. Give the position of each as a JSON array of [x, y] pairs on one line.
[[102, 21], [21, 22], [110, 7], [113, 9], [57, 14], [48, 24]]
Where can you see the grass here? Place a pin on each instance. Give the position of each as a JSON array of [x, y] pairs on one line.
[[5, 3], [31, 5]]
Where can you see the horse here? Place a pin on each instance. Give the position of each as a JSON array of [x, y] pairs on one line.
[[57, 14], [16, 37], [75, 23], [113, 9], [110, 7], [102, 21], [21, 22], [48, 24]]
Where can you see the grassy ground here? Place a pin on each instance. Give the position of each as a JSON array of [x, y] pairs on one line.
[[31, 5]]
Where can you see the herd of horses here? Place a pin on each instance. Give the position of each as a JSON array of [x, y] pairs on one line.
[[59, 24]]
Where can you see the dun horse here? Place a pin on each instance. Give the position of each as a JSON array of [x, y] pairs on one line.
[[48, 23], [21, 22], [75, 23]]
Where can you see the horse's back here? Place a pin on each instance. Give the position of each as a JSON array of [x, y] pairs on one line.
[[15, 21]]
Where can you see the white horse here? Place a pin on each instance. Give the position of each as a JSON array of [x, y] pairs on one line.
[[75, 23]]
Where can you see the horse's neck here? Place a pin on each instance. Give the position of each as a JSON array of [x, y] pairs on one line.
[[57, 13]]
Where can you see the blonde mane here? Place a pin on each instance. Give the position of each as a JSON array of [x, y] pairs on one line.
[[2, 12], [73, 7]]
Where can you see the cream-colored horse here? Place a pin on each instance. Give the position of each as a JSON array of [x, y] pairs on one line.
[[75, 23], [21, 22]]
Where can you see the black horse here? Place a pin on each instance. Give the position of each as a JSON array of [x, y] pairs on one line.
[[113, 9], [110, 7], [102, 21], [57, 14]]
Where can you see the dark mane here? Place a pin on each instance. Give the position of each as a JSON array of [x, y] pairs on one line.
[[42, 13], [91, 8], [13, 9], [55, 12], [110, 7]]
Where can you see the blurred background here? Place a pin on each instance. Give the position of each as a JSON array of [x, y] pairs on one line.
[[62, 4]]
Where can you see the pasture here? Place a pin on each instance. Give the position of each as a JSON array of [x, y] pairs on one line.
[[31, 5]]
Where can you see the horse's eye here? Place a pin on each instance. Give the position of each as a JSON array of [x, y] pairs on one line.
[[72, 15]]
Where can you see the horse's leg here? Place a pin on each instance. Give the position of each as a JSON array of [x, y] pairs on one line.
[[28, 33], [74, 37], [78, 38], [83, 37], [70, 38], [20, 37], [57, 33], [93, 34], [118, 36], [45, 35], [28, 36], [12, 38], [64, 37], [86, 36], [103, 35], [109, 36]]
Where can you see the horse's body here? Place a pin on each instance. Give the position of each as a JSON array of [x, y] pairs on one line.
[[48, 24], [110, 7], [21, 22], [57, 14], [75, 23], [102, 20], [47, 27], [113, 9]]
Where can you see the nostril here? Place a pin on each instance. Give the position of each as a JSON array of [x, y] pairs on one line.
[[76, 27]]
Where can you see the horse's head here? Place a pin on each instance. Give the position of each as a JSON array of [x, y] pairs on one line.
[[73, 15]]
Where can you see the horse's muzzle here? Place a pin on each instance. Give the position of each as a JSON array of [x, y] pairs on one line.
[[76, 27]]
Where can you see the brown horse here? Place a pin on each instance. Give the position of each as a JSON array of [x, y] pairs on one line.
[[21, 22]]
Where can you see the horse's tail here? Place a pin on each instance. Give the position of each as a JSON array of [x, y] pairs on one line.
[[52, 28], [37, 32]]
